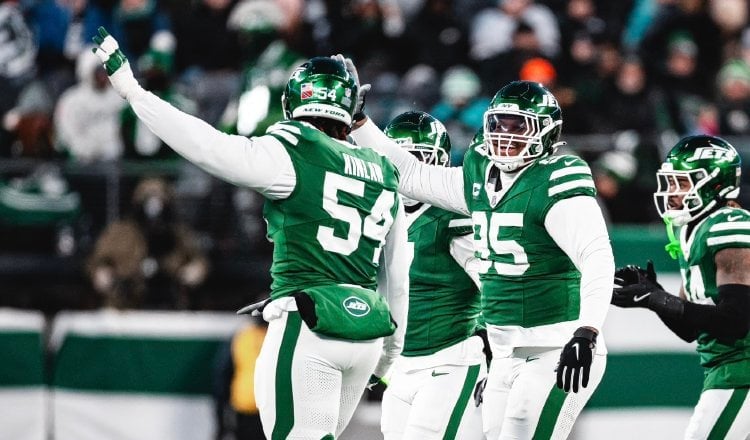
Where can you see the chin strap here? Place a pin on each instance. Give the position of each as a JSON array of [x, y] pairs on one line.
[[673, 247]]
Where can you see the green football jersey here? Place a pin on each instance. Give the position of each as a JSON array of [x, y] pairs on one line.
[[727, 362], [443, 299], [527, 280], [330, 230]]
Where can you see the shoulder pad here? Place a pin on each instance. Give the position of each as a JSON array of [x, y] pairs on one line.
[[567, 176], [728, 227], [294, 131]]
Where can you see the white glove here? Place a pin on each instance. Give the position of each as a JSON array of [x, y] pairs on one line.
[[115, 63]]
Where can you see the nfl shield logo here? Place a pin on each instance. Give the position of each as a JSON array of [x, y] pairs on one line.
[[306, 91]]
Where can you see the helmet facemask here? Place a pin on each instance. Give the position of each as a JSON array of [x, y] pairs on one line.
[[427, 154], [678, 195], [514, 138]]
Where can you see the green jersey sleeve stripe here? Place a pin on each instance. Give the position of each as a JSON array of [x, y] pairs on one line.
[[735, 238], [730, 226], [569, 171], [284, 126], [285, 136], [459, 222], [582, 183]]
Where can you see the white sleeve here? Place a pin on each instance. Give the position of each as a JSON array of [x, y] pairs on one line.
[[577, 226], [436, 185], [260, 163], [393, 283], [462, 250]]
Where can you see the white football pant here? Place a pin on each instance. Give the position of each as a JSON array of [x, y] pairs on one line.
[[434, 401], [306, 386], [522, 400], [721, 414]]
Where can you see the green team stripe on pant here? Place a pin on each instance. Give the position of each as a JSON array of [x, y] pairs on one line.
[[727, 416], [550, 412], [458, 411], [284, 399]]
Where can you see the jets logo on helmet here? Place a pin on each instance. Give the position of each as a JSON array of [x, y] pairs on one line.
[[321, 87], [523, 123], [699, 174], [713, 152]]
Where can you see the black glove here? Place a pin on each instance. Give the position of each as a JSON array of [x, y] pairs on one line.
[[632, 274], [377, 384], [634, 286], [482, 333], [575, 360], [479, 392], [639, 288]]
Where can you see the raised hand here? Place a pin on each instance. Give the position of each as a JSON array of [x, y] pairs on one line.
[[362, 89], [115, 63]]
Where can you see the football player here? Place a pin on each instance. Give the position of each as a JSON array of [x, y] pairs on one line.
[[430, 388], [697, 187], [546, 259], [338, 229]]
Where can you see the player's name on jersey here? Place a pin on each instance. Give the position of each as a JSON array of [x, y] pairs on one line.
[[357, 167]]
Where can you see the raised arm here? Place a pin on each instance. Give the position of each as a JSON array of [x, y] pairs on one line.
[[260, 163], [393, 283], [439, 186]]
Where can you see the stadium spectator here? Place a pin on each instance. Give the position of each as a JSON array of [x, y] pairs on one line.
[[734, 98], [367, 30], [87, 116], [149, 259], [206, 56], [435, 37], [460, 108], [58, 28], [682, 52], [17, 65], [493, 28], [504, 67], [134, 22]]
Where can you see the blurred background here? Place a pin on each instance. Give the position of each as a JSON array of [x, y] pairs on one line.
[[121, 264]]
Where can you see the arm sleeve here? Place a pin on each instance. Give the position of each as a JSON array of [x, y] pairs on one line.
[[439, 186], [393, 283], [680, 327], [577, 226], [260, 163], [462, 250], [728, 319]]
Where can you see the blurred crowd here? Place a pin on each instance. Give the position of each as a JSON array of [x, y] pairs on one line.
[[637, 73]]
